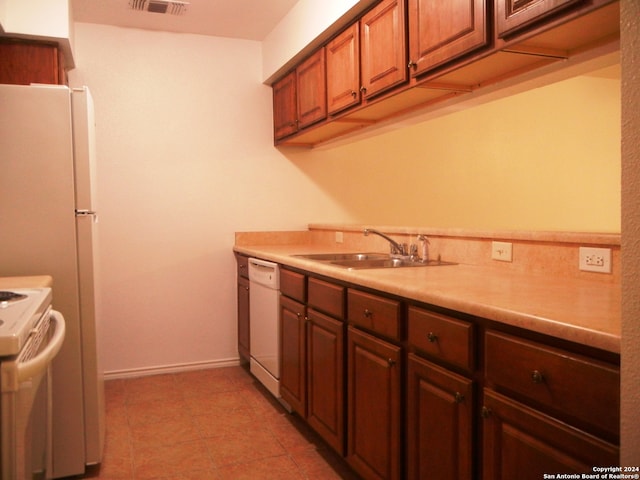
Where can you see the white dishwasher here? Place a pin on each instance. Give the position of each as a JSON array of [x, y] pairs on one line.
[[264, 310]]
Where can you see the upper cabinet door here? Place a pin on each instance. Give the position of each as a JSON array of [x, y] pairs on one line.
[[383, 47], [285, 117], [512, 15], [442, 31], [312, 89], [343, 70]]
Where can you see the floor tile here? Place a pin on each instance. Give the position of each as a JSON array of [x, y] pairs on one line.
[[215, 424]]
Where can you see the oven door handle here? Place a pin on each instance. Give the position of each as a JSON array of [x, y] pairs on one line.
[[37, 364]]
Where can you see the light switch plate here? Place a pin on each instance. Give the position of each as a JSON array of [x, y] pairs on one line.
[[502, 251]]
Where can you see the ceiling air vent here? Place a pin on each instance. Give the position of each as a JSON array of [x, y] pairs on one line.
[[171, 7]]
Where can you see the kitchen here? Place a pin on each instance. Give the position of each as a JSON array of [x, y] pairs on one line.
[[169, 208]]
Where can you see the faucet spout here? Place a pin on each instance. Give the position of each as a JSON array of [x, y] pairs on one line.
[[396, 248]]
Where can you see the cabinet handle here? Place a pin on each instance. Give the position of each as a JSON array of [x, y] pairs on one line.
[[391, 362], [411, 65], [246, 288], [537, 377], [458, 397], [486, 413], [368, 313], [432, 337], [354, 94], [363, 89]]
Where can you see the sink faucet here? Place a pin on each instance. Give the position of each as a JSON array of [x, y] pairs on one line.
[[396, 248], [425, 247]]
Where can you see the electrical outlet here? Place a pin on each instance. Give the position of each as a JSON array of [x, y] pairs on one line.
[[339, 237], [502, 251], [595, 259]]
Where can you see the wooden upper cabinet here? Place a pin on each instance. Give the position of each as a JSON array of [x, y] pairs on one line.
[[24, 62], [343, 70], [512, 15], [383, 47], [312, 89], [442, 31], [285, 111]]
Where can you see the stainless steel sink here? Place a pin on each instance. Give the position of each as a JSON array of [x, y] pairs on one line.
[[340, 257], [356, 261], [388, 263]]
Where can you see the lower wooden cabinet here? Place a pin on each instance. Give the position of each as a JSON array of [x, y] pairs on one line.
[[405, 391], [440, 407], [312, 369], [520, 442], [325, 378], [293, 365], [243, 319], [243, 308], [374, 406]]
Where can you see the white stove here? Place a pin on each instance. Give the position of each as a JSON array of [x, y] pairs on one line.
[[20, 311]]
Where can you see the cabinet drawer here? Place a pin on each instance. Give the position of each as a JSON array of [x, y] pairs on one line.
[[243, 265], [381, 315], [326, 297], [445, 338], [566, 383], [293, 285]]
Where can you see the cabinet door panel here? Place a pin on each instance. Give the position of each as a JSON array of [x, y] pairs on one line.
[[292, 355], [383, 46], [311, 89], [512, 15], [325, 360], [343, 70], [439, 422], [24, 63], [285, 108], [243, 318], [442, 31], [373, 406], [523, 443]]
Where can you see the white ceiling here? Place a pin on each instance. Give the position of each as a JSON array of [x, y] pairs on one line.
[[247, 19]]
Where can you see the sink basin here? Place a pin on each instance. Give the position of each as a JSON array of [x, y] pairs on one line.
[[388, 263], [355, 261], [340, 257]]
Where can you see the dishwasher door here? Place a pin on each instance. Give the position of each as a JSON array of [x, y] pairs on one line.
[[264, 308]]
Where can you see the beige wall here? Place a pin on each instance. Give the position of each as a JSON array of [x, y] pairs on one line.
[[546, 159], [185, 159]]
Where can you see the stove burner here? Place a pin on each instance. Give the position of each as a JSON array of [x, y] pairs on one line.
[[9, 296]]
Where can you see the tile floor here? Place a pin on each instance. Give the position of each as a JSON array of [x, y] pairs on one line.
[[208, 425]]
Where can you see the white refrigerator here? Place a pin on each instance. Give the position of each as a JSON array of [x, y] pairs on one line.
[[48, 227]]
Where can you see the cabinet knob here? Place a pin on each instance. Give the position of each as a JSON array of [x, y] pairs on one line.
[[246, 288], [363, 89], [486, 412], [368, 313], [537, 377], [411, 65], [391, 362], [354, 94], [458, 397], [432, 337]]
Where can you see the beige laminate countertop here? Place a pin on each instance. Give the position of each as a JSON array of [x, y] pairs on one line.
[[577, 310], [34, 281]]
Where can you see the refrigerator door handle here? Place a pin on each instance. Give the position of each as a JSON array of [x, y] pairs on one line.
[[88, 213]]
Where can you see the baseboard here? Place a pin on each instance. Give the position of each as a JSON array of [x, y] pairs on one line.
[[164, 369]]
